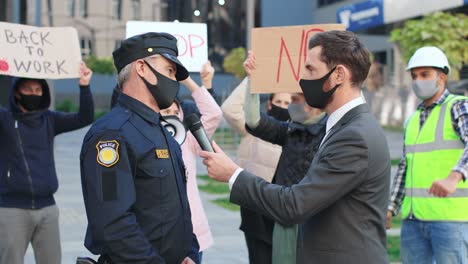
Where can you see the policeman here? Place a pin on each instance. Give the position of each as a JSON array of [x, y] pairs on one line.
[[132, 173]]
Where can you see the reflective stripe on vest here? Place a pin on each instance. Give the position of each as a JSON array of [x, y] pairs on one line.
[[431, 154]]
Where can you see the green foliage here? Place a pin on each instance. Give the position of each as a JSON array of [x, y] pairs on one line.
[[395, 162], [100, 65], [393, 248], [396, 221], [233, 62], [99, 113], [449, 32], [67, 106], [204, 177], [224, 202], [214, 187]]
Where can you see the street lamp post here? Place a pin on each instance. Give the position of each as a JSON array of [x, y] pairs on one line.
[[250, 6], [37, 21], [17, 11]]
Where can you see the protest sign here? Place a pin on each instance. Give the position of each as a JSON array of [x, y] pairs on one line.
[[192, 40], [280, 54], [39, 52]]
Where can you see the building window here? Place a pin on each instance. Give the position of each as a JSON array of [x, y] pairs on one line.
[[84, 8], [86, 47], [117, 9], [160, 10], [71, 8], [322, 3], [136, 8]]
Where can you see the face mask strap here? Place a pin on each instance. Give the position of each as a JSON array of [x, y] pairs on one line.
[[326, 76]]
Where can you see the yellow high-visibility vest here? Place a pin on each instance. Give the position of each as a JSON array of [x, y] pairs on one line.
[[431, 154]]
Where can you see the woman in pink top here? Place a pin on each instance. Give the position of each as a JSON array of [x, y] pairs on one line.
[[211, 116]]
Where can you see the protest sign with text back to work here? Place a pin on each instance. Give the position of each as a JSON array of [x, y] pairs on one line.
[[192, 40], [280, 53], [39, 52]]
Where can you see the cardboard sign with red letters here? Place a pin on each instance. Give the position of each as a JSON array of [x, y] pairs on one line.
[[192, 40], [280, 54]]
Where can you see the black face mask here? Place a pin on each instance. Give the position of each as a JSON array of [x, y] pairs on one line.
[[313, 91], [278, 113], [30, 102], [165, 91]]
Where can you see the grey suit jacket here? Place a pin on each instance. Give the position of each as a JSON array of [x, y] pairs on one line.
[[341, 203]]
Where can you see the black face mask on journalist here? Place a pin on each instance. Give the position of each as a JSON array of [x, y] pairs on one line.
[[313, 91]]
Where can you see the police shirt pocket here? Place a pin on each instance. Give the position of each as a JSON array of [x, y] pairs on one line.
[[153, 170], [153, 181]]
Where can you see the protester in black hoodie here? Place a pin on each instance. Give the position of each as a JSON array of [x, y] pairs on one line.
[[28, 180]]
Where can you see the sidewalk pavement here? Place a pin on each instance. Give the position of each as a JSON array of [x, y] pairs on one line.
[[229, 247]]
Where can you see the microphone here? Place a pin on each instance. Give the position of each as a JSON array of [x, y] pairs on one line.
[[193, 123]]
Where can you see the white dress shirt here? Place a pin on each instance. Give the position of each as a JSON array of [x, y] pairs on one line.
[[332, 120]]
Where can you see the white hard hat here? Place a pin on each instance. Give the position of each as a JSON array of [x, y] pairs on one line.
[[429, 57]]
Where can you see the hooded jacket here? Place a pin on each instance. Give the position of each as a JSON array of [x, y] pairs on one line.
[[27, 169], [299, 144]]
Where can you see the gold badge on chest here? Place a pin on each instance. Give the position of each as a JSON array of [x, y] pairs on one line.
[[162, 153]]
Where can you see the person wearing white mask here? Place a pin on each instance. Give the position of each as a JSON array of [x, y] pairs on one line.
[[430, 186]]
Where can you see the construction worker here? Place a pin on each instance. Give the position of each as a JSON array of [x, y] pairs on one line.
[[430, 186]]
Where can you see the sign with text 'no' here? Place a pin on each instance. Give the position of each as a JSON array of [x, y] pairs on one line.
[[192, 40], [280, 54], [39, 52]]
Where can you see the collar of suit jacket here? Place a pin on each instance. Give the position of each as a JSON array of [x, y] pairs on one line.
[[362, 108], [336, 116]]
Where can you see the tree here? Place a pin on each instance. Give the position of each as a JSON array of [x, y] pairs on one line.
[[449, 32], [100, 65], [233, 62]]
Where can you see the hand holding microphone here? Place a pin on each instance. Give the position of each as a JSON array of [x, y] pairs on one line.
[[193, 123], [220, 167]]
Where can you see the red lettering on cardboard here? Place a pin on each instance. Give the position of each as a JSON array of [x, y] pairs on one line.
[[302, 54]]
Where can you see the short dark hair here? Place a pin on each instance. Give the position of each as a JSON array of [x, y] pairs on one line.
[[343, 47], [270, 98]]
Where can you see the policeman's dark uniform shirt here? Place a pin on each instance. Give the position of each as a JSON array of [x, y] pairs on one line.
[[134, 187]]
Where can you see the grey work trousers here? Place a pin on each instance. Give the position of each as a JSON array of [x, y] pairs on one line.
[[19, 227]]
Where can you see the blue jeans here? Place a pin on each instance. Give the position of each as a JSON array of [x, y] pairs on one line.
[[200, 256], [429, 242]]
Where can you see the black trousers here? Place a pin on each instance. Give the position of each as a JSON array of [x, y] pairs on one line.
[[258, 231], [259, 250]]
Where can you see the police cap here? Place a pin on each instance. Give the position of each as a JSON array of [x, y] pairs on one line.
[[148, 44]]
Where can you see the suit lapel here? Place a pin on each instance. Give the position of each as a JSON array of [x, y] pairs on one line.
[[363, 108]]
